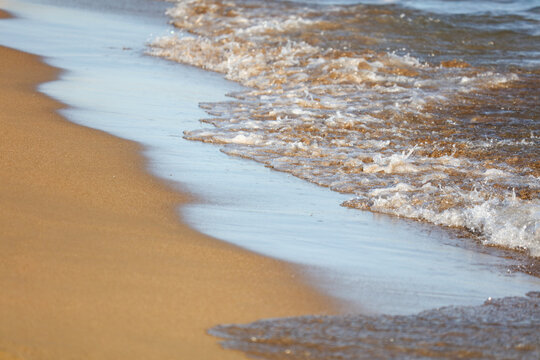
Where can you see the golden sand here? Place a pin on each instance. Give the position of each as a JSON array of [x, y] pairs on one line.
[[94, 262]]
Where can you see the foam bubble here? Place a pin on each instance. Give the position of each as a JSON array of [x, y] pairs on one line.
[[444, 142]]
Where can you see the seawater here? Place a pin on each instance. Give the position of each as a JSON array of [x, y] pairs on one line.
[[498, 329], [426, 110]]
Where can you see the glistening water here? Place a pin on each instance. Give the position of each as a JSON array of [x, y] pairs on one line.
[[427, 110], [425, 114], [504, 328]]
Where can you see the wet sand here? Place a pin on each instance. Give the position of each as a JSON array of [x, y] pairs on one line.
[[94, 262]]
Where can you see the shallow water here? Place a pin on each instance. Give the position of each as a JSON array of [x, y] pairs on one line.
[[427, 115], [499, 329]]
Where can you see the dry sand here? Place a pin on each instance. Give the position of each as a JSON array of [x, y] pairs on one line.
[[94, 262]]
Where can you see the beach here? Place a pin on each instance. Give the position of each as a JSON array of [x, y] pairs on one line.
[[94, 261], [176, 176]]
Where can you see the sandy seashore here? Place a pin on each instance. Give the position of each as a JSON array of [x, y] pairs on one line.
[[94, 262]]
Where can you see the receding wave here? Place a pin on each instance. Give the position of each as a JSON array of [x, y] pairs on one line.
[[499, 329], [423, 116]]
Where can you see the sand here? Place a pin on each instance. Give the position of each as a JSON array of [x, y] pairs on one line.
[[94, 261]]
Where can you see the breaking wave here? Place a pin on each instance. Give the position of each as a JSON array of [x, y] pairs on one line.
[[426, 116]]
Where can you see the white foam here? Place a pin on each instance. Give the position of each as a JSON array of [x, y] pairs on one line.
[[346, 120]]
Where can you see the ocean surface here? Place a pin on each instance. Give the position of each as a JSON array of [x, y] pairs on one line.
[[498, 329], [427, 110], [423, 113]]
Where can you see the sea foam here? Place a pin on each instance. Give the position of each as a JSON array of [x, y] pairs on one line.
[[443, 142]]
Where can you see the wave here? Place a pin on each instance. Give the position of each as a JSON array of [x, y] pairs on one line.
[[500, 328], [360, 110]]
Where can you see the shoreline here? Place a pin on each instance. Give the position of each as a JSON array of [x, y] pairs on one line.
[[95, 261], [362, 259]]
